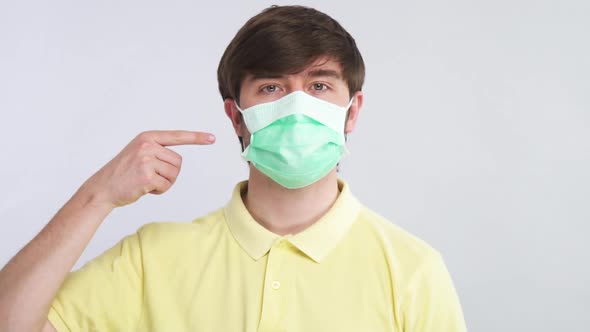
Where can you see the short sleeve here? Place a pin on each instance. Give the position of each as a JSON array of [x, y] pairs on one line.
[[431, 303], [103, 295]]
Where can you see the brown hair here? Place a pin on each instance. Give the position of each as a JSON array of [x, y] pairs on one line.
[[284, 40]]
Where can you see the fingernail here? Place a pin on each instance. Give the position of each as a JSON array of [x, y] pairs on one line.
[[211, 138]]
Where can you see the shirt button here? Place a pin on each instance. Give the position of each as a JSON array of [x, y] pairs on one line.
[[276, 284]]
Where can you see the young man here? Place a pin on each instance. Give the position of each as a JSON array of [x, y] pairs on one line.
[[293, 250]]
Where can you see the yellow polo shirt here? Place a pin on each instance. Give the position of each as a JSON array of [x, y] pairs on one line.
[[350, 271]]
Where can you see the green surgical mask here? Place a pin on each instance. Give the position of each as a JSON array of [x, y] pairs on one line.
[[295, 140]]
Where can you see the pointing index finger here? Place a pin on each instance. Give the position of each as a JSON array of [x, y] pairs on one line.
[[181, 137]]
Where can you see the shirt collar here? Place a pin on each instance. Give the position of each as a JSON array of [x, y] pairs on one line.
[[316, 241]]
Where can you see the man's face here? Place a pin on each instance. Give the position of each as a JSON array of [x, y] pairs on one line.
[[322, 79]]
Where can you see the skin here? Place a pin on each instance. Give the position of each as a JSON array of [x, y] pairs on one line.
[[31, 279]]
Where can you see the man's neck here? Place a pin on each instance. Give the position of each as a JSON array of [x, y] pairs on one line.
[[288, 211]]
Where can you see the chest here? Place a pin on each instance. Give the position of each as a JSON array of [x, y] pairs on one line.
[[283, 291]]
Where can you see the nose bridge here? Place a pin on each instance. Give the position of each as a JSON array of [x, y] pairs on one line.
[[295, 82]]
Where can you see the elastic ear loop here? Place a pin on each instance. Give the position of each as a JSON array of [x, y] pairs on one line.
[[349, 104], [347, 108], [242, 115]]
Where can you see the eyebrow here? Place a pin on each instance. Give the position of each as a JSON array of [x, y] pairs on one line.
[[324, 73], [263, 75], [311, 73]]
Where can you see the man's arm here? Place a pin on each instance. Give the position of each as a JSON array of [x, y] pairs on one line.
[[30, 281]]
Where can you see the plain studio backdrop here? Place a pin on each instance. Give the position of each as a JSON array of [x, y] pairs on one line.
[[474, 136]]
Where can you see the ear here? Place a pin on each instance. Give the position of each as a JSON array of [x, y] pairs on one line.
[[353, 112], [234, 115]]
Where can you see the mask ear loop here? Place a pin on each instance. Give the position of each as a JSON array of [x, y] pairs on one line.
[[240, 138], [346, 108], [238, 107], [349, 104]]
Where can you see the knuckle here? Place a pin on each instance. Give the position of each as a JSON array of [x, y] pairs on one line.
[[145, 159], [165, 186], [147, 176], [148, 189], [162, 187], [143, 135], [144, 145]]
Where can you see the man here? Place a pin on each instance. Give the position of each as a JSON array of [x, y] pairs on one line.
[[293, 250]]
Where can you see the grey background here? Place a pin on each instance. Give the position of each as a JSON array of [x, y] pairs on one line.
[[474, 135]]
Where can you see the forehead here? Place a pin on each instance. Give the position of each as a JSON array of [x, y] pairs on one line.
[[323, 66]]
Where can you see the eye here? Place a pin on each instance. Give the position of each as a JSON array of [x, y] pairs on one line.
[[319, 87], [270, 88]]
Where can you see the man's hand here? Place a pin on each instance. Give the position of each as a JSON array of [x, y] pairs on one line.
[[144, 166]]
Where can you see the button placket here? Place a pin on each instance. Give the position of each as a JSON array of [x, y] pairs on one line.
[[273, 300]]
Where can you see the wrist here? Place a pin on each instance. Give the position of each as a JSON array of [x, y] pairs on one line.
[[89, 195]]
